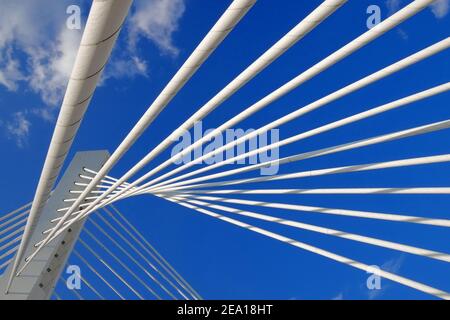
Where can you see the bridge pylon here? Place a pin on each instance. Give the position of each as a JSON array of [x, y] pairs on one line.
[[39, 278]]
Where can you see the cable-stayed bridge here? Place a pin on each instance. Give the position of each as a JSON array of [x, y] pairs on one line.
[[39, 239]]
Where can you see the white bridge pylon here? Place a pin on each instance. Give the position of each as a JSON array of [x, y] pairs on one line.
[[42, 274]]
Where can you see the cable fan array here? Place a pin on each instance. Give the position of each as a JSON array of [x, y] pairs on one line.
[[12, 226], [114, 261], [199, 191]]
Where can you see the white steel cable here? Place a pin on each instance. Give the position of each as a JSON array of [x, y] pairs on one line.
[[347, 146], [96, 172], [14, 219], [14, 212], [11, 227], [400, 16], [158, 257], [152, 255], [9, 252], [10, 243], [92, 288], [121, 248], [324, 253], [101, 31], [338, 212], [319, 172], [5, 264], [316, 153], [81, 184], [333, 125], [56, 295], [110, 182], [86, 177], [108, 266], [79, 256], [137, 251], [293, 115], [329, 150], [97, 186], [391, 190], [404, 133], [92, 192], [67, 208], [215, 36], [328, 231], [82, 176], [74, 199], [123, 265], [74, 291], [53, 221], [292, 37], [330, 60], [140, 254], [12, 234]]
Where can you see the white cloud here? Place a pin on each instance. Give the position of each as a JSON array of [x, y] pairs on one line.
[[46, 47], [339, 296], [46, 114], [50, 67], [151, 20], [156, 20], [440, 8], [402, 33], [18, 128], [10, 73], [50, 48], [393, 6], [128, 67], [37, 50]]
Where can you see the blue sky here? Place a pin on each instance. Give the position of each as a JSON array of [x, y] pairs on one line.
[[220, 260]]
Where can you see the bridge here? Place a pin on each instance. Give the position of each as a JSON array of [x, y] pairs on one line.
[[39, 239]]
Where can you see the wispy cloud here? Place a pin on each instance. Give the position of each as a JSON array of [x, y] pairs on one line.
[[50, 67], [10, 73], [18, 128], [156, 20], [440, 8], [47, 49], [150, 20], [50, 48], [393, 6], [339, 296], [125, 67]]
